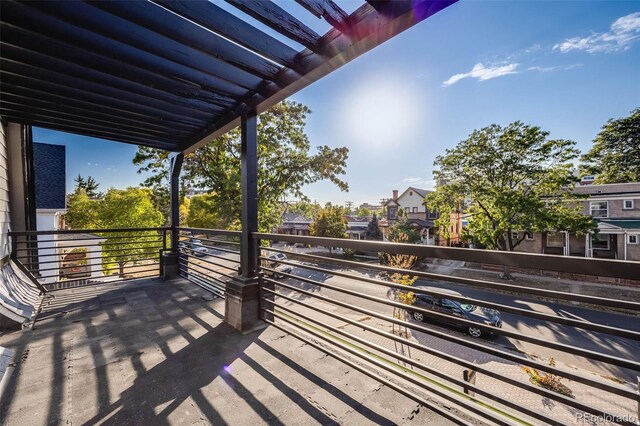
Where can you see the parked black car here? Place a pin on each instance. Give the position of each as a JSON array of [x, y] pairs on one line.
[[455, 310]]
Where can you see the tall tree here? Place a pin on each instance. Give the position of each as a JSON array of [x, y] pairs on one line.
[[285, 165], [202, 212], [304, 208], [363, 212], [89, 185], [329, 223], [514, 179], [615, 154], [129, 208], [373, 229]]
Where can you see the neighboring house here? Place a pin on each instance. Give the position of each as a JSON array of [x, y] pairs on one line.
[[60, 256], [294, 224], [616, 208], [372, 208], [357, 227], [412, 202]]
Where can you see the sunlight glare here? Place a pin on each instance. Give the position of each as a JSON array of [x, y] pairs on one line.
[[380, 113]]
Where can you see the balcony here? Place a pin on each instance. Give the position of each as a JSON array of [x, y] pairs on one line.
[[332, 345]]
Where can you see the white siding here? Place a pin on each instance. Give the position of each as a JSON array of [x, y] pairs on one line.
[[412, 199], [4, 194]]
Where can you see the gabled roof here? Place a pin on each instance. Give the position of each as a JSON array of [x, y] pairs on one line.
[[622, 223], [422, 192], [175, 74], [295, 217]]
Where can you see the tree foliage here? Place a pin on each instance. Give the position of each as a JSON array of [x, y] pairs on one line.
[[305, 208], [400, 231], [88, 185], [373, 229], [285, 165], [615, 154], [129, 208], [202, 212], [329, 223], [363, 212], [513, 179]]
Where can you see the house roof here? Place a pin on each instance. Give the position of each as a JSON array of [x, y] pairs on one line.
[[623, 223], [175, 75], [50, 176], [295, 217]]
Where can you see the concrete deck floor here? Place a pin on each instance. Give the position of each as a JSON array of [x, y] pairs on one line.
[[151, 352]]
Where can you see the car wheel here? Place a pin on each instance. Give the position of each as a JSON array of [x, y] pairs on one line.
[[474, 332], [418, 316]]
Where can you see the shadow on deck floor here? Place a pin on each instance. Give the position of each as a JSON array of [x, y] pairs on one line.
[[152, 352]]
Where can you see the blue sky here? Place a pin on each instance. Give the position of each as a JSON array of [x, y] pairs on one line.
[[565, 66]]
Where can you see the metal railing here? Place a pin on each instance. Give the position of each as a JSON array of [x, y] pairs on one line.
[[208, 257], [354, 311], [73, 258]]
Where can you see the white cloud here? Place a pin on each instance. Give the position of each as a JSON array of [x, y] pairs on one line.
[[624, 31], [419, 182], [483, 73], [554, 68]]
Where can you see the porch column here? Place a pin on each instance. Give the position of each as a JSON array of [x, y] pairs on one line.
[[242, 300], [170, 261]]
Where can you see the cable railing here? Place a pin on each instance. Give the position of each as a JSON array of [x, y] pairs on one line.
[[362, 312], [208, 257], [73, 258]]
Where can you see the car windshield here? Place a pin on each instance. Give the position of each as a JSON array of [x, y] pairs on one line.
[[467, 307]]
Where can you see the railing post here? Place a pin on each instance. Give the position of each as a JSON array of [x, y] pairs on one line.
[[243, 292], [170, 260]]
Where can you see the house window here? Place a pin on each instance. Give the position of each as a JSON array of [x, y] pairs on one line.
[[410, 193], [555, 239], [514, 236], [600, 208], [529, 236], [600, 242], [415, 210], [393, 212], [632, 239], [406, 209], [627, 204], [433, 214]]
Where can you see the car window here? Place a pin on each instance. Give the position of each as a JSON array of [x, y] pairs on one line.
[[448, 304], [425, 298]]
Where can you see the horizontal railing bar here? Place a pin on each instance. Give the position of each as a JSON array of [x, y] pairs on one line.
[[219, 284], [635, 306], [588, 354], [86, 258], [204, 285], [210, 262], [124, 243], [235, 243], [459, 382], [194, 265], [107, 269], [90, 252], [67, 267], [577, 265], [212, 231], [186, 245], [614, 331], [90, 239], [99, 282], [399, 373], [367, 372], [459, 361], [84, 231], [217, 256], [468, 343]]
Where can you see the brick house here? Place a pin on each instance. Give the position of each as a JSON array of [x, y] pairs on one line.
[[616, 208]]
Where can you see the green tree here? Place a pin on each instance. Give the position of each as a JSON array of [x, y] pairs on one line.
[[285, 165], [89, 185], [202, 213], [400, 231], [615, 154], [129, 208], [373, 229], [329, 223], [304, 208], [363, 212], [514, 179]]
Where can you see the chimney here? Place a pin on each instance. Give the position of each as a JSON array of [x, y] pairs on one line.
[[395, 195]]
